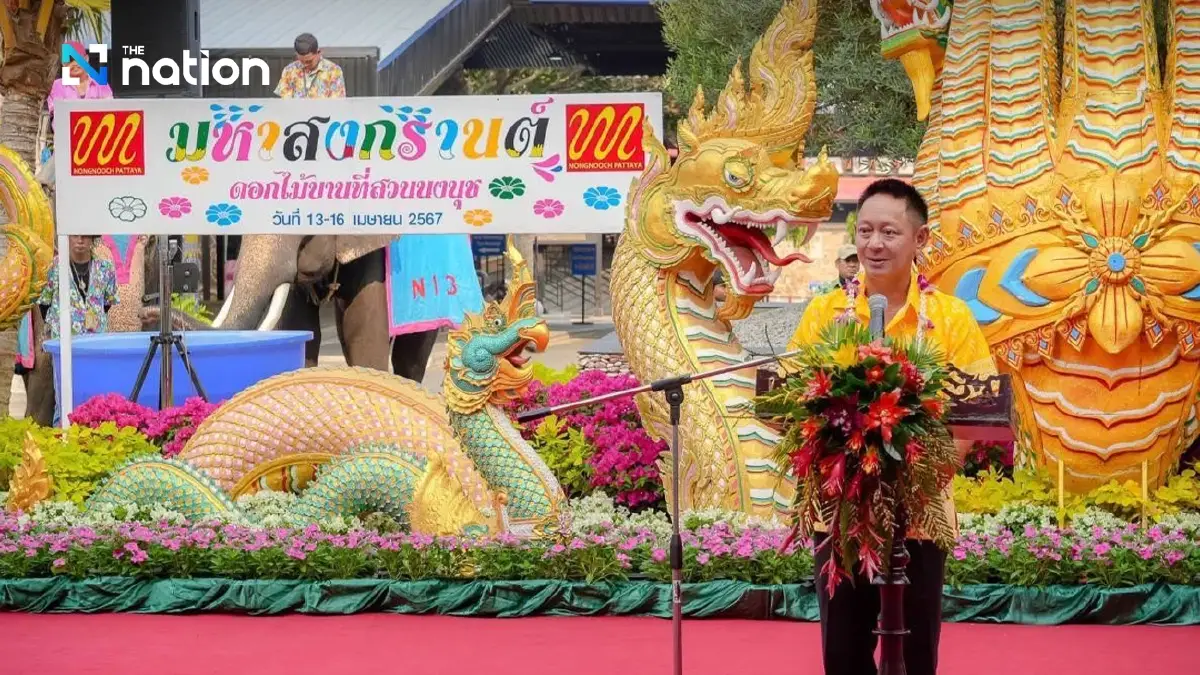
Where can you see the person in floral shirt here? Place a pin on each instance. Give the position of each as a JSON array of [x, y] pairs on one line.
[[310, 75], [93, 291]]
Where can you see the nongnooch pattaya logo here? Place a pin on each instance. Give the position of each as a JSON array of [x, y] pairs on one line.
[[605, 137], [165, 72]]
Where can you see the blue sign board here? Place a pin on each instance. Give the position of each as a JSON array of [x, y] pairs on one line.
[[583, 260], [487, 244]]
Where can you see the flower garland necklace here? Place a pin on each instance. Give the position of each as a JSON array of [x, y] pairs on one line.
[[923, 323]]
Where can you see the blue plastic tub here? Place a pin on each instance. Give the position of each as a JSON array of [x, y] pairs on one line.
[[226, 361]]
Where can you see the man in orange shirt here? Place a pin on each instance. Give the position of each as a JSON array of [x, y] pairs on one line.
[[891, 228], [311, 75]]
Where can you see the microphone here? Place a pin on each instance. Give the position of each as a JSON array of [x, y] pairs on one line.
[[877, 304]]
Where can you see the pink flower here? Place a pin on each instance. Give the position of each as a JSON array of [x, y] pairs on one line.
[[548, 208], [175, 207]]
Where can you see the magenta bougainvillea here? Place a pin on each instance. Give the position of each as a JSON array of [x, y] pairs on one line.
[[170, 429], [623, 461]]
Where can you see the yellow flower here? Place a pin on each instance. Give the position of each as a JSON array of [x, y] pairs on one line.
[[1118, 273], [195, 175], [845, 356], [477, 217]]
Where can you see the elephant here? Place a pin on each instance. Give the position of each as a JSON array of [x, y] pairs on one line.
[[281, 280]]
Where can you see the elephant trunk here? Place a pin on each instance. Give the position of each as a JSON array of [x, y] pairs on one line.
[[265, 264]]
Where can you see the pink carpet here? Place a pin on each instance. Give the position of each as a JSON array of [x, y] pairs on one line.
[[133, 644]]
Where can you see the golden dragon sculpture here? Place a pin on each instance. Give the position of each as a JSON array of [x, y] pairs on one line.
[[1064, 187], [735, 182], [29, 237]]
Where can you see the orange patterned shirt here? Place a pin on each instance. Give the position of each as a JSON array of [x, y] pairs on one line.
[[325, 82]]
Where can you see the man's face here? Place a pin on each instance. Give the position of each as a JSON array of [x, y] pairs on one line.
[[77, 71], [310, 60], [848, 267], [80, 246], [888, 237]]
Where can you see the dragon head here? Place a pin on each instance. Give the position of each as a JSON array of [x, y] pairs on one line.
[[736, 190], [485, 361], [914, 32]]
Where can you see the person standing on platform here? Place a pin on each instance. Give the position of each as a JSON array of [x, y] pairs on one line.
[[310, 75], [891, 229]]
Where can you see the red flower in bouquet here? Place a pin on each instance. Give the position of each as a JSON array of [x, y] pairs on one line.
[[877, 350], [914, 381], [820, 385], [875, 374], [934, 407], [913, 451], [833, 468], [870, 462], [885, 414], [803, 458], [810, 428]]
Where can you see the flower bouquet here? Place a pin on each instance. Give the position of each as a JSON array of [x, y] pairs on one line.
[[865, 439]]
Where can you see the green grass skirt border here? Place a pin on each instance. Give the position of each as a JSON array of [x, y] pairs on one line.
[[1159, 604]]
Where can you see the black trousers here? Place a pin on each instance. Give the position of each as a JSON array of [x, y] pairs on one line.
[[849, 618]]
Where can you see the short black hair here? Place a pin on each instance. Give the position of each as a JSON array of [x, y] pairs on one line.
[[898, 189], [306, 43]]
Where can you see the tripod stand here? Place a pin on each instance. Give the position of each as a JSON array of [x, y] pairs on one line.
[[166, 338], [672, 389]]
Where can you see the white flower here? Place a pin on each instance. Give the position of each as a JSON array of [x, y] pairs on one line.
[[127, 209]]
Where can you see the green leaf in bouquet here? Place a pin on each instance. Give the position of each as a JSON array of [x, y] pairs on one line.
[[891, 451]]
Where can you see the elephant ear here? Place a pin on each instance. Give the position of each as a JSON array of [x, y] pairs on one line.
[[354, 247]]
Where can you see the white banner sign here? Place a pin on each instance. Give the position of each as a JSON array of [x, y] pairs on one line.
[[445, 164]]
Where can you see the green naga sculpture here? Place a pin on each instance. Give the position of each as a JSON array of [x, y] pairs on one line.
[[352, 441], [1064, 192]]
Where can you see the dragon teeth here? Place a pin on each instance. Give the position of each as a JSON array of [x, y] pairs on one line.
[[781, 233]]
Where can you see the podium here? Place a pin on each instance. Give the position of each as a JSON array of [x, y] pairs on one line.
[[979, 409]]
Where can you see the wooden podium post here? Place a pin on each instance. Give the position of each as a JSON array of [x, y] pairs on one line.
[[980, 409]]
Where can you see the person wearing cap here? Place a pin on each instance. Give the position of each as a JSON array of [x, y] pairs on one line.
[[847, 264], [310, 75]]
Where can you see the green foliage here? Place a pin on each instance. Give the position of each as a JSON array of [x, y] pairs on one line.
[[565, 451], [548, 376], [76, 460], [192, 307], [990, 492], [865, 104]]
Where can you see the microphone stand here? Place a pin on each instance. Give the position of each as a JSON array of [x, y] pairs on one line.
[[672, 388], [891, 629]]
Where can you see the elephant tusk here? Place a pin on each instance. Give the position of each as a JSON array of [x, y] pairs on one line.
[[275, 309], [224, 313]]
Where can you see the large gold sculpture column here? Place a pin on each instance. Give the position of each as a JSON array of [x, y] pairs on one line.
[[30, 238], [1064, 188], [735, 187]]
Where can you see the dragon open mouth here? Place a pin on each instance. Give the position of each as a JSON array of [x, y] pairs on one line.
[[533, 339], [737, 238]]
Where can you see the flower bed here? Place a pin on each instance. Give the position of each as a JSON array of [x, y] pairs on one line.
[[597, 447], [607, 544]]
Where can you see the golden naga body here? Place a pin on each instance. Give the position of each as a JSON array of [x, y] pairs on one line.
[[1065, 194], [30, 482], [735, 182], [29, 235]]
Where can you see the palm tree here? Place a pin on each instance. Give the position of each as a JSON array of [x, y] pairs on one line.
[[32, 32]]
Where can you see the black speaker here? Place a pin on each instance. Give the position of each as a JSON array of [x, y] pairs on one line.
[[145, 31]]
